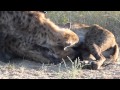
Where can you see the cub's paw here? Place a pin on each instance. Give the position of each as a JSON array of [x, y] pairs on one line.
[[95, 65]]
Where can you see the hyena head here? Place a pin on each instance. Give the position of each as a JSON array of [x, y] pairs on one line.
[[59, 36], [65, 38], [70, 39]]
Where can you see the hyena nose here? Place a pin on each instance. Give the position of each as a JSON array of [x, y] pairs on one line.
[[69, 44]]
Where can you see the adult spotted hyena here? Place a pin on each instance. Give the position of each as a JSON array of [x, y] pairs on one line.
[[95, 40], [31, 35]]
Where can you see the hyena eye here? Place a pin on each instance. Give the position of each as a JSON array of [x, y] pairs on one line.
[[58, 39]]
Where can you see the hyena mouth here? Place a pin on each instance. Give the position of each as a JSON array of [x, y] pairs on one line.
[[71, 46], [67, 47]]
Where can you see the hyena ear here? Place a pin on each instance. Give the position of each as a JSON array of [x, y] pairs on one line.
[[44, 11], [68, 25]]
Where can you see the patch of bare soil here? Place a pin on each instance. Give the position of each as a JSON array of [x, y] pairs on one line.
[[24, 69]]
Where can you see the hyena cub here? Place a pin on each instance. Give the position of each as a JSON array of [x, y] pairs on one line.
[[98, 41], [31, 35]]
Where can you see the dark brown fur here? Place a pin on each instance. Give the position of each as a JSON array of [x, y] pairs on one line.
[[23, 31], [95, 40]]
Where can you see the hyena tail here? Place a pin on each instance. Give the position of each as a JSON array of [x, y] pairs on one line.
[[116, 53], [114, 57]]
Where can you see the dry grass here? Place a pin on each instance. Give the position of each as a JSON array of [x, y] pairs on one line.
[[31, 70], [107, 19], [25, 69]]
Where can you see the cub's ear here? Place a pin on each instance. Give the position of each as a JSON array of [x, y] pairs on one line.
[[67, 25]]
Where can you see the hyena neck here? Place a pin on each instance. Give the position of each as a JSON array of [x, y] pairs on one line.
[[81, 33], [45, 36]]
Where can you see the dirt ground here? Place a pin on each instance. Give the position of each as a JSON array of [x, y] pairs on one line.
[[25, 69]]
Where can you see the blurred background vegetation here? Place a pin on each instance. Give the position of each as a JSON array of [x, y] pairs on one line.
[[107, 19]]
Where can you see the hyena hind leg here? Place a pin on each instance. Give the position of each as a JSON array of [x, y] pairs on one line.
[[97, 53]]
